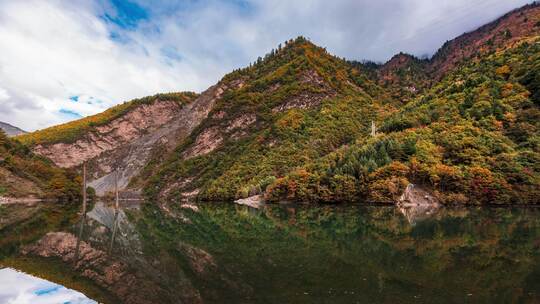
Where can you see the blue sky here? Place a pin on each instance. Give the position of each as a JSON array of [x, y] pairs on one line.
[[61, 60]]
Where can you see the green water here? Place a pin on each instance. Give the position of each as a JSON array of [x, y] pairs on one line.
[[305, 254]]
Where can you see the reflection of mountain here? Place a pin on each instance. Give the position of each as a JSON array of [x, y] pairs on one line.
[[318, 254], [298, 254], [125, 238]]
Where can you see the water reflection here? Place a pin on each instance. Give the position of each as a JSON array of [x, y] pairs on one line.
[[20, 288], [107, 227], [223, 253], [418, 212]]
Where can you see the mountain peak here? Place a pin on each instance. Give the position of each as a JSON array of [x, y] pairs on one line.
[[400, 60], [295, 57]]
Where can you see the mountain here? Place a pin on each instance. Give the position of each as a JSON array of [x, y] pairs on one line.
[[120, 139], [294, 106], [297, 125], [471, 138], [505, 32], [11, 130]]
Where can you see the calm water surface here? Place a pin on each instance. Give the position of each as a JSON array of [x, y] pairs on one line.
[[225, 253]]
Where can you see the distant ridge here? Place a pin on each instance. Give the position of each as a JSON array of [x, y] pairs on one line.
[[11, 130]]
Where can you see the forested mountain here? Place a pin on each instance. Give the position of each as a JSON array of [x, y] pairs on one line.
[[473, 137], [298, 125]]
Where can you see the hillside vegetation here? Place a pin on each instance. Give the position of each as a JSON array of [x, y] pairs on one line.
[[24, 174], [296, 105], [471, 137]]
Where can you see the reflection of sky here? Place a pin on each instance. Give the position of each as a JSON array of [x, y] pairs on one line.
[[20, 288]]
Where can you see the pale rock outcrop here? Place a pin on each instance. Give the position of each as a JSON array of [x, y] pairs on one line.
[[242, 122], [416, 195], [111, 136], [417, 204], [255, 201], [205, 143]]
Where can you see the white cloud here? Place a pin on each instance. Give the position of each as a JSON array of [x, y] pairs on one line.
[[50, 53], [53, 50]]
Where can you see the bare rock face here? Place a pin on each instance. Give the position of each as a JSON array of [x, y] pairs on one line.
[[414, 195], [255, 201], [211, 138], [127, 144], [131, 158], [205, 143], [111, 136], [417, 204], [241, 122]]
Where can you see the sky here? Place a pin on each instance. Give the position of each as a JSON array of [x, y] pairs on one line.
[[20, 288], [62, 60]]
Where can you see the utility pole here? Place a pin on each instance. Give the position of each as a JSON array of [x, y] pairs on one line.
[[83, 215], [84, 188], [116, 188], [116, 211]]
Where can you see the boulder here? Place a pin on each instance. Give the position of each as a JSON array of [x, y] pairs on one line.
[[416, 195]]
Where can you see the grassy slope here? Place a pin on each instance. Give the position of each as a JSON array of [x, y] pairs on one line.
[[71, 131]]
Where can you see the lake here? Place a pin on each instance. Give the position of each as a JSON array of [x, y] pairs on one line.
[[226, 253]]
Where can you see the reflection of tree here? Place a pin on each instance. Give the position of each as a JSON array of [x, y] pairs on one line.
[[446, 250], [283, 251]]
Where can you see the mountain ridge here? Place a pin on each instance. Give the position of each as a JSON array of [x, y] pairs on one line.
[[11, 130], [295, 125]]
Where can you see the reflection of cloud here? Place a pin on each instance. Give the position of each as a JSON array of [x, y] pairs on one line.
[[20, 288]]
